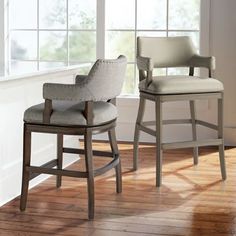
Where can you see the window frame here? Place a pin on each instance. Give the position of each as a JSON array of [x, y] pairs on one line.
[[204, 7], [38, 29], [100, 30]]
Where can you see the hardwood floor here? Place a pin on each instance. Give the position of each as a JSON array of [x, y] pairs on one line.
[[192, 200]]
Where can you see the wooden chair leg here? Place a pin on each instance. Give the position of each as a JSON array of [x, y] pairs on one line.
[[194, 130], [115, 151], [221, 135], [59, 157], [26, 162], [89, 169], [142, 103], [159, 151]]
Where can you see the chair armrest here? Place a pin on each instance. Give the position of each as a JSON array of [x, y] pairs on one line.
[[200, 61], [69, 92], [79, 79], [144, 63]]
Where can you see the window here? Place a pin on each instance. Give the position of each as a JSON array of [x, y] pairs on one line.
[[125, 20], [52, 33]]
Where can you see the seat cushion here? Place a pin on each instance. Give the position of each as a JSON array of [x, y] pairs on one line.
[[69, 113], [181, 85]]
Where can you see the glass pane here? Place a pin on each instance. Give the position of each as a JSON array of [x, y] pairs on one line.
[[159, 72], [53, 46], [50, 65], [24, 45], [84, 70], [178, 71], [22, 67], [23, 14], [184, 14], [151, 14], [52, 14], [82, 46], [193, 35], [82, 14], [119, 42], [129, 83], [120, 14], [152, 33]]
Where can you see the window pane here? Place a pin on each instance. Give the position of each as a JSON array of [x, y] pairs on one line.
[[119, 42], [120, 14], [22, 67], [52, 14], [184, 14], [84, 70], [53, 46], [159, 72], [193, 35], [178, 71], [82, 46], [51, 64], [24, 45], [151, 14], [152, 33], [82, 14], [23, 14], [129, 83]]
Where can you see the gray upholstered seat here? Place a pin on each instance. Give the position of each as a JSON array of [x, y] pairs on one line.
[[181, 85], [70, 113]]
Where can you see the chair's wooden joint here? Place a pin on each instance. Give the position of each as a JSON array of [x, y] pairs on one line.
[[207, 124], [107, 167], [47, 111], [88, 112]]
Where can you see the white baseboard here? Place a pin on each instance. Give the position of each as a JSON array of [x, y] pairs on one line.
[[10, 184]]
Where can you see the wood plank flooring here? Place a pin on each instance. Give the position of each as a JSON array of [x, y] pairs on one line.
[[192, 200]]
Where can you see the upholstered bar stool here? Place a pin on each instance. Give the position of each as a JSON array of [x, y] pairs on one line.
[[84, 108], [163, 52]]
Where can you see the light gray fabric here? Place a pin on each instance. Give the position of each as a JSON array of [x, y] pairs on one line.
[[158, 52], [181, 85], [166, 51], [200, 61], [71, 113], [103, 82], [144, 63]]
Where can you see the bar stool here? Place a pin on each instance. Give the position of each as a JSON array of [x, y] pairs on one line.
[[166, 52], [84, 108]]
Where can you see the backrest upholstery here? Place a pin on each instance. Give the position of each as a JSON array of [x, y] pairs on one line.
[[166, 51], [105, 78]]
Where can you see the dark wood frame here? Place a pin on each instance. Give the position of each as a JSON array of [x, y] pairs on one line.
[[30, 172]]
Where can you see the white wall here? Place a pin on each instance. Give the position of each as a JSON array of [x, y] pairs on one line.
[[223, 47], [15, 97], [2, 37]]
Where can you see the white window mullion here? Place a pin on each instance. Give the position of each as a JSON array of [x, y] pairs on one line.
[[167, 18], [3, 37], [135, 41], [38, 47], [67, 31], [101, 29]]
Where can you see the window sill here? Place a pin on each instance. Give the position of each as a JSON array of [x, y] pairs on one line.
[[42, 73]]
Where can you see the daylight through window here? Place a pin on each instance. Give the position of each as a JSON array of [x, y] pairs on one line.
[[53, 33]]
